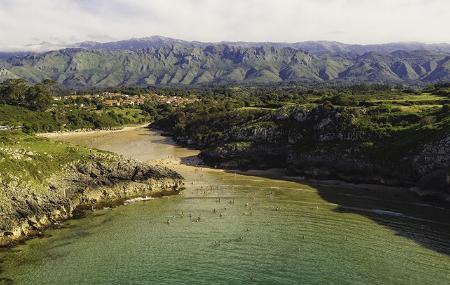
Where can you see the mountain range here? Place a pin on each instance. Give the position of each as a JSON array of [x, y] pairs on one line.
[[161, 61]]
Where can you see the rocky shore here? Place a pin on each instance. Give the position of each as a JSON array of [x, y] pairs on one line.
[[103, 180]]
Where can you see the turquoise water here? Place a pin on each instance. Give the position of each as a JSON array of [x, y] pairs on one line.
[[252, 230]]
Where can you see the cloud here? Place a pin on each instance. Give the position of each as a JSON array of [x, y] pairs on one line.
[[25, 22]]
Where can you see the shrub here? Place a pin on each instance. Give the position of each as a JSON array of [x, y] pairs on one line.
[[428, 120]]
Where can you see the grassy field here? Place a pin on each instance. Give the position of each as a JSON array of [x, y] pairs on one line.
[[32, 160], [134, 116]]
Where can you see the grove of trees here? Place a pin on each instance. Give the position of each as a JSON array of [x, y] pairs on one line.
[[18, 92]]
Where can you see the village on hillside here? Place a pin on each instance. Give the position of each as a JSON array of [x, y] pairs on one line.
[[109, 99]]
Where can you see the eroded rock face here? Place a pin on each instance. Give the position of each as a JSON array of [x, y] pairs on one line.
[[433, 156], [265, 133], [432, 165], [106, 179]]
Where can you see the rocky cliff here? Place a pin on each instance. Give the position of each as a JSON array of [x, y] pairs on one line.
[[103, 179], [326, 142]]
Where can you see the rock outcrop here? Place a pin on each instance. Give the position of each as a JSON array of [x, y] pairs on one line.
[[432, 165], [103, 180]]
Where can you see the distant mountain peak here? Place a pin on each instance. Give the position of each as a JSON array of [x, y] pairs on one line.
[[160, 60], [313, 47]]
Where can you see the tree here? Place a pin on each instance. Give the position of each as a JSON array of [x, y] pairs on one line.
[[17, 92], [40, 96], [12, 91], [180, 121]]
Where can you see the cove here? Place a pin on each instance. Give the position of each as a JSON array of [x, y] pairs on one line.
[[228, 228]]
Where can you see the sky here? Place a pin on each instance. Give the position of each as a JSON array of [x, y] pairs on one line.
[[25, 24]]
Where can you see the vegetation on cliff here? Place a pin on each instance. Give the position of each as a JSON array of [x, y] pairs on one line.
[[395, 136], [43, 181]]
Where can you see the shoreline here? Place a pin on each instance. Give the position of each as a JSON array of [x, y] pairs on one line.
[[408, 197], [377, 190], [56, 220], [105, 180], [89, 132], [279, 174]]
